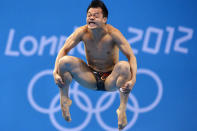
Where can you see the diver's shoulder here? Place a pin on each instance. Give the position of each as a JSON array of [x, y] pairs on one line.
[[83, 28], [111, 29]]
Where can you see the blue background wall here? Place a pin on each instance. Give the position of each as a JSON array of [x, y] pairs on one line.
[[162, 35]]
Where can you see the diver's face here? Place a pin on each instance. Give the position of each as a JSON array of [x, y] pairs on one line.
[[95, 18]]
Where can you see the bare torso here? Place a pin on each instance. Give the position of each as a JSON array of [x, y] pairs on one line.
[[101, 51]]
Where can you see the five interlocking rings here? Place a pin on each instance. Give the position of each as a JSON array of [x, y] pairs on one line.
[[90, 110]]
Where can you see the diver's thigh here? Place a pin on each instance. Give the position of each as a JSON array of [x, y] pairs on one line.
[[110, 82], [81, 73], [118, 76]]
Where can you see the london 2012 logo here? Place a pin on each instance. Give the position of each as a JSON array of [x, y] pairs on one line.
[[89, 109]]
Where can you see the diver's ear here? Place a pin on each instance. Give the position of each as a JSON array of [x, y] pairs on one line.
[[105, 20]]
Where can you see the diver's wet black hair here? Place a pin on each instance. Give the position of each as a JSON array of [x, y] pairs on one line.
[[99, 3]]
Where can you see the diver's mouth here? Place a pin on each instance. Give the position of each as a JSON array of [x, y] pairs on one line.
[[91, 23]]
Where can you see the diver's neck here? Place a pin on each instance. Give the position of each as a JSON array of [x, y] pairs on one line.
[[98, 32]]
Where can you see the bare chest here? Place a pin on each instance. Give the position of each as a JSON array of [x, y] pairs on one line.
[[103, 46], [101, 54]]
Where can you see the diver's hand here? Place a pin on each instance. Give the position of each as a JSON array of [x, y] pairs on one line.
[[128, 86], [58, 80]]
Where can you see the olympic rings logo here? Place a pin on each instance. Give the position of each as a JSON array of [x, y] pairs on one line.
[[89, 109]]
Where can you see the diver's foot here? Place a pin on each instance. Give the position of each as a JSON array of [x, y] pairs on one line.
[[122, 119], [66, 103]]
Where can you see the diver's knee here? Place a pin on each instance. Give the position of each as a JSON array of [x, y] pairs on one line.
[[66, 60], [66, 63], [123, 68], [123, 65]]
